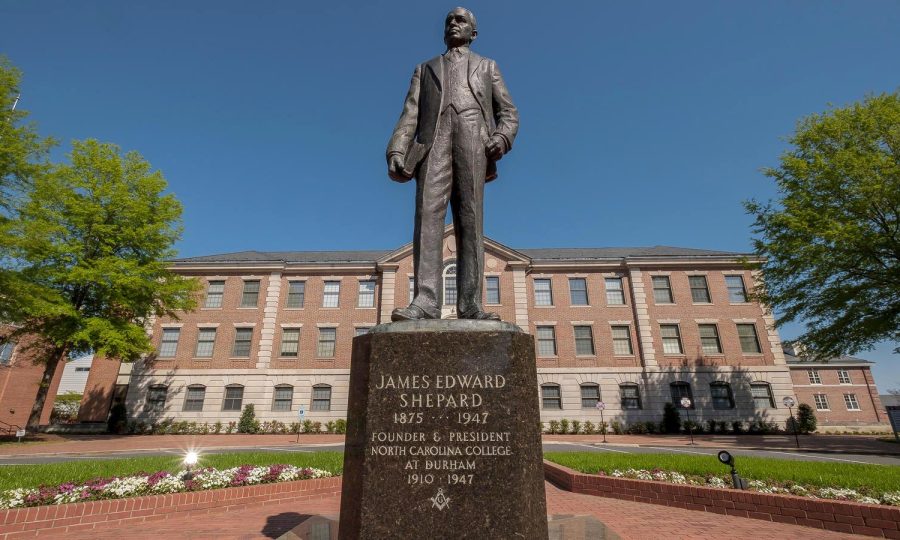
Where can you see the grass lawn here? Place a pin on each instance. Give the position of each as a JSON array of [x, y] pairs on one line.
[[19, 476], [878, 478]]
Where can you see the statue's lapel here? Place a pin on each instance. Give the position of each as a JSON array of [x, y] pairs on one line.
[[436, 65], [474, 62]]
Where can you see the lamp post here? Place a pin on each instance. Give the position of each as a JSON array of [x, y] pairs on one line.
[[686, 405], [301, 412], [600, 407], [789, 403], [727, 459]]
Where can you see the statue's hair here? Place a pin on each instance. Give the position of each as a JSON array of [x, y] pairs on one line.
[[468, 13]]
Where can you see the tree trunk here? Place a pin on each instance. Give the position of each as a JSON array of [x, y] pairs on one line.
[[34, 420]]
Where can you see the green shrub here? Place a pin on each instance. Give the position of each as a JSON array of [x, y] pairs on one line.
[[651, 427], [691, 427], [637, 428], [340, 426], [217, 427], [616, 427], [563, 426], [307, 426], [248, 422], [232, 427], [329, 426], [711, 426], [723, 426], [576, 427], [296, 427], [554, 426], [603, 428], [806, 418], [671, 418], [317, 427], [589, 428], [738, 427]]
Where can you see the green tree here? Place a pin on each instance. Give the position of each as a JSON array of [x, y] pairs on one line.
[[248, 422], [806, 419], [830, 246], [92, 239]]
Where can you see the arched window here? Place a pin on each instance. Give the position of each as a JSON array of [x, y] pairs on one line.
[[722, 398], [631, 396], [762, 395], [551, 398], [450, 284], [156, 398], [590, 395], [681, 389], [284, 398], [193, 398], [234, 397], [321, 398]]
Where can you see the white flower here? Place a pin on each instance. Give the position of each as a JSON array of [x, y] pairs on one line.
[[892, 498], [126, 487], [169, 484], [715, 481]]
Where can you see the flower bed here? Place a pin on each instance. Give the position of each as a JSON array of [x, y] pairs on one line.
[[157, 483], [890, 498]]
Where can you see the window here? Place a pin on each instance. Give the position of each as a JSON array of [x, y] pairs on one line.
[[332, 294], [361, 330], [242, 338], [284, 398], [821, 402], [737, 294], [590, 395], [681, 390], [584, 341], [6, 351], [290, 342], [631, 396], [234, 397], [492, 290], [844, 376], [250, 296], [327, 338], [699, 290], [193, 398], [546, 338], [851, 402], [367, 293], [551, 397], [543, 296], [722, 398], [412, 289], [671, 339], [321, 398], [621, 336], [296, 294], [450, 284], [762, 395], [813, 375], [662, 290], [709, 339], [156, 398], [749, 341], [206, 340], [615, 295], [82, 369], [578, 291], [169, 344], [214, 292]]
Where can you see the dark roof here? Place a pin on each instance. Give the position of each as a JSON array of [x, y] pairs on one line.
[[889, 400], [288, 257], [544, 254], [620, 253], [791, 358]]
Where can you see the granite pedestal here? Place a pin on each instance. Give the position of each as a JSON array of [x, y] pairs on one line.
[[443, 435]]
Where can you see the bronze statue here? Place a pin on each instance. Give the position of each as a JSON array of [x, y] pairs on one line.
[[458, 120]]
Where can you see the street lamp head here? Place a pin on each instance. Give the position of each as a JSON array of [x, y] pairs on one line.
[[788, 401], [726, 458], [190, 459]]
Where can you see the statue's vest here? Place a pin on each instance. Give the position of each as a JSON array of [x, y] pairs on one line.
[[457, 84]]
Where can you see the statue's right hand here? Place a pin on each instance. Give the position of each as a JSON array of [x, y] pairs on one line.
[[395, 169]]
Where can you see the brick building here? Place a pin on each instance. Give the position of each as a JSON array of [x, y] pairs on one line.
[[19, 380], [633, 327], [842, 391]]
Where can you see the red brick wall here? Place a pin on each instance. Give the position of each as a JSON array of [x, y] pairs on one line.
[[862, 384], [98, 392], [19, 381], [846, 517]]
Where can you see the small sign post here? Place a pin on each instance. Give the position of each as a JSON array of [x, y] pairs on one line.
[[686, 404], [301, 412], [600, 407], [20, 433]]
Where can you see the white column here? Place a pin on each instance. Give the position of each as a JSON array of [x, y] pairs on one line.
[[771, 332], [270, 313], [520, 293], [644, 330], [388, 286]]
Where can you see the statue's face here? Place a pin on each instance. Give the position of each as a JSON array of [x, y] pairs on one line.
[[458, 28]]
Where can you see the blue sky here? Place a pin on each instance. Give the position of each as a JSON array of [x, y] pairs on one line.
[[643, 123]]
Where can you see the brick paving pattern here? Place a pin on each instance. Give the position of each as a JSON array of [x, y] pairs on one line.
[[632, 521]]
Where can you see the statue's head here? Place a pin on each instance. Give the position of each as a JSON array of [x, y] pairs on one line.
[[460, 27]]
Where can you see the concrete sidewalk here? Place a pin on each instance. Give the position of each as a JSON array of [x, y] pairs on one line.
[[629, 519], [82, 444]]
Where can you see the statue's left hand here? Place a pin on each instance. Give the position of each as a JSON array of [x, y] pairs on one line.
[[494, 149]]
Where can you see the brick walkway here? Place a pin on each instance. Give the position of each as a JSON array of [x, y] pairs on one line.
[[54, 444], [629, 519]]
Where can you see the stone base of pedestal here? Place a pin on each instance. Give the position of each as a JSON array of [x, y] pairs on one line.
[[443, 435]]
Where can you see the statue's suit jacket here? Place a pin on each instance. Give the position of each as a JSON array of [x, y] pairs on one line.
[[414, 133]]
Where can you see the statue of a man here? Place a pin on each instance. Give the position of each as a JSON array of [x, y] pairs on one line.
[[458, 120]]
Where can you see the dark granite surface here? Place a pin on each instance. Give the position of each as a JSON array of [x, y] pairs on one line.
[[425, 458]]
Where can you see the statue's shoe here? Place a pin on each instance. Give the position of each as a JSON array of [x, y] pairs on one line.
[[410, 313], [479, 315]]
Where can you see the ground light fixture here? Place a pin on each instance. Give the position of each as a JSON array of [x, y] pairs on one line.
[[190, 460], [727, 459]]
